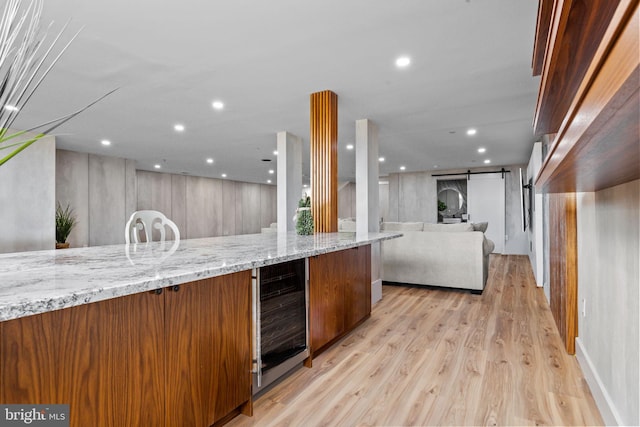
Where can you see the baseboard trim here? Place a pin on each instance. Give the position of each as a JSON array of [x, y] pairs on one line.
[[376, 291], [607, 409]]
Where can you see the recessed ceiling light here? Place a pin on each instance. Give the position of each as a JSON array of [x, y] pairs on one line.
[[471, 131], [105, 142], [11, 107], [381, 159], [481, 150], [224, 175], [487, 161], [271, 171], [209, 160], [156, 166], [403, 62], [349, 146], [436, 166], [178, 127], [217, 105], [275, 152], [268, 181], [402, 168], [305, 186]]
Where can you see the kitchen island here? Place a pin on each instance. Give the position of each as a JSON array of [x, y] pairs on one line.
[[152, 334]]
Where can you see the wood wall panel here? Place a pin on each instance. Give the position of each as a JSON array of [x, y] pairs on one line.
[[240, 207], [131, 188], [545, 12], [250, 216], [563, 266], [179, 201], [324, 161], [230, 208], [72, 187], [107, 194], [154, 192], [268, 205]]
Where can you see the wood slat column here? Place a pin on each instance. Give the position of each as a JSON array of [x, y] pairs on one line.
[[563, 257], [324, 161]]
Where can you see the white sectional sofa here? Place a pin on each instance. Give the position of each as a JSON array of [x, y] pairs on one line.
[[448, 255], [272, 228]]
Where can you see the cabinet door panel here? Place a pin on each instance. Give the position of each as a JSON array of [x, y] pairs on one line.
[[104, 359], [357, 297], [208, 349], [326, 297]]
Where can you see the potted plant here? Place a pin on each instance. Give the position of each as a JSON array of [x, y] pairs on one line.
[[65, 221], [304, 221], [442, 206]]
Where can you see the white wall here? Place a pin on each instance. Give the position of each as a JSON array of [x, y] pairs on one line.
[[608, 299], [413, 197], [27, 198], [534, 229]]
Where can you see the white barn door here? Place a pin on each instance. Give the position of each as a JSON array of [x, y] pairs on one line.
[[485, 203]]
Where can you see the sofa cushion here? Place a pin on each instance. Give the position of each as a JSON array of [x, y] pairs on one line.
[[480, 226], [448, 228], [401, 226], [346, 225], [487, 246]]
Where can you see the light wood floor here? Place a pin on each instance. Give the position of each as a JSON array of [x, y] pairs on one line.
[[436, 357]]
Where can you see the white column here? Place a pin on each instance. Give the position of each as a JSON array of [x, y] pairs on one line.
[[289, 179], [367, 196]]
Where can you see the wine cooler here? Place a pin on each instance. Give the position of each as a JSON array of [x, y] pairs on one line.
[[280, 329]]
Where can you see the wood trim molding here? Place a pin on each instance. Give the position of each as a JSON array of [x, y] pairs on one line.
[[324, 161], [543, 25]]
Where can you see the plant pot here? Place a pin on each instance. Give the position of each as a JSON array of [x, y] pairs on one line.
[[62, 245]]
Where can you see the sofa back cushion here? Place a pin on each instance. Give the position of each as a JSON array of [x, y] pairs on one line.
[[401, 226], [480, 226], [449, 228], [346, 225]]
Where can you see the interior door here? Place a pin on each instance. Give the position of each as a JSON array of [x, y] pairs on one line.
[[485, 203]]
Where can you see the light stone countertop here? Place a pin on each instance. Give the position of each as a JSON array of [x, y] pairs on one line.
[[41, 281]]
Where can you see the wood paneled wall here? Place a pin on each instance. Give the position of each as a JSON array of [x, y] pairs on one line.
[[207, 207], [104, 191], [324, 161], [563, 247]]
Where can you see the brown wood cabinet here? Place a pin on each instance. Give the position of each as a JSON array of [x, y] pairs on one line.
[[178, 358], [339, 294], [102, 359], [208, 335]]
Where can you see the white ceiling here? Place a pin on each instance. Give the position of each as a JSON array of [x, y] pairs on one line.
[[471, 67]]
